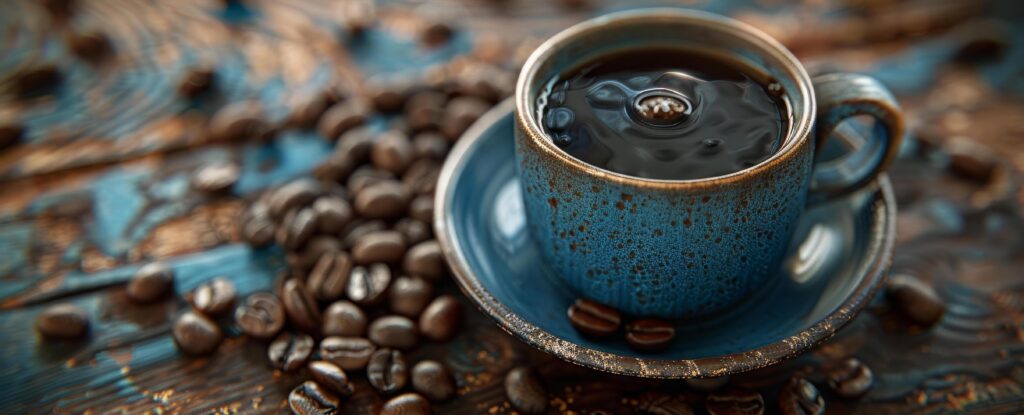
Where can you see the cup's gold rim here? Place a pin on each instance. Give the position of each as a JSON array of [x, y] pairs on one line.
[[798, 136]]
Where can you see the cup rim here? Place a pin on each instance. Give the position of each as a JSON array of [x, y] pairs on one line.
[[799, 132]]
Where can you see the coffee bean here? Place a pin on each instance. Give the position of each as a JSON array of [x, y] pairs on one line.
[[423, 112], [422, 208], [310, 398], [387, 371], [300, 306], [258, 230], [800, 397], [413, 231], [425, 260], [197, 81], [195, 334], [343, 318], [441, 319], [333, 377], [91, 45], [406, 404], [662, 403], [734, 402], [436, 34], [707, 384], [36, 81], [311, 107], [329, 277], [62, 321], [851, 379], [433, 380], [290, 351], [397, 332], [332, 214], [349, 353], [594, 319], [916, 299], [367, 285], [430, 145], [317, 247], [384, 200], [356, 144], [214, 297], [381, 246], [342, 117], [297, 228], [649, 335], [261, 316], [356, 230], [215, 178], [151, 282], [367, 176], [392, 152], [421, 176], [11, 134], [296, 193], [335, 168], [388, 97], [525, 391], [459, 114], [240, 121], [409, 296]]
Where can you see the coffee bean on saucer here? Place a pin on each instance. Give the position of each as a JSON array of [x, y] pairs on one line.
[[214, 297], [368, 285], [310, 398], [35, 81], [333, 377], [425, 260], [412, 230], [649, 335], [332, 214], [384, 200], [294, 194], [349, 353], [441, 319], [215, 178], [800, 397], [290, 351], [459, 114], [406, 404], [195, 334], [851, 378], [296, 228], [329, 277], [408, 296], [594, 319], [387, 371], [62, 321], [421, 177], [397, 332], [392, 152], [381, 246], [150, 282], [261, 316], [430, 145], [367, 176], [91, 45], [239, 121], [300, 306], [423, 113], [916, 299], [433, 380], [734, 402], [343, 318], [525, 391], [342, 117], [197, 81], [436, 34], [11, 134]]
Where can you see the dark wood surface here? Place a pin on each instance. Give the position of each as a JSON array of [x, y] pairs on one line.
[[101, 187]]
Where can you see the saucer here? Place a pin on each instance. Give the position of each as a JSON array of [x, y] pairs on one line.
[[836, 264]]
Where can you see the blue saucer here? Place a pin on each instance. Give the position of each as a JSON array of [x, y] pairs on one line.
[[836, 264]]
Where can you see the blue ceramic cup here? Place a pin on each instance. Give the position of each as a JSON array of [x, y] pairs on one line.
[[687, 248]]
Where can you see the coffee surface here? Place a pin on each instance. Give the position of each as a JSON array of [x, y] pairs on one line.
[[663, 114]]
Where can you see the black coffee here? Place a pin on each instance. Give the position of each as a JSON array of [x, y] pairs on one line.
[[664, 114]]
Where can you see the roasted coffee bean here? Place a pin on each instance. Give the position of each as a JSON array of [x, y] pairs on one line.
[[707, 384], [63, 321], [397, 332], [195, 334], [342, 117], [851, 379], [333, 377], [332, 214], [422, 208], [349, 353], [409, 296], [392, 152], [649, 335], [335, 168], [296, 193], [661, 403], [310, 398], [329, 277], [290, 351], [433, 380], [311, 107], [356, 230], [367, 176], [345, 319], [240, 121], [916, 299], [459, 114], [800, 397], [215, 178], [214, 297], [197, 81], [421, 176], [734, 402], [593, 318], [367, 285], [261, 316], [92, 45], [406, 404], [425, 260], [151, 282], [441, 319], [11, 134], [430, 145], [258, 231], [300, 306], [387, 371], [436, 34], [423, 111], [317, 247], [383, 200], [525, 391], [357, 144], [390, 96], [413, 231], [35, 81], [381, 246], [297, 229]]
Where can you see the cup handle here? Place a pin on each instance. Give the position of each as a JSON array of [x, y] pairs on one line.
[[840, 96]]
